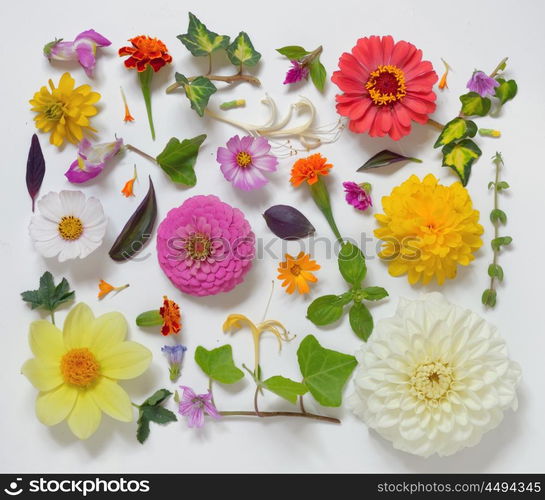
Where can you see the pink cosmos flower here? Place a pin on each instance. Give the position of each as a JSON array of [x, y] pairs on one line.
[[357, 195], [194, 406], [91, 160], [481, 83], [205, 246], [296, 73], [82, 49], [244, 160]]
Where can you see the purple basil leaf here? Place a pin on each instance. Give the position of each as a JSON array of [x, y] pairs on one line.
[[288, 223], [385, 157], [35, 169]]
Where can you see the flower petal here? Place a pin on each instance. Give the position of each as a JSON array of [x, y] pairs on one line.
[[77, 326], [49, 248], [85, 416], [54, 406], [73, 202], [50, 207], [107, 331], [46, 342], [43, 376], [112, 399], [42, 229], [125, 361]]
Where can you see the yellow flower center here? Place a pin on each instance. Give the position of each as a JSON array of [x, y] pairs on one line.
[[295, 270], [54, 111], [198, 246], [70, 228], [386, 85], [243, 159], [431, 381], [79, 367]]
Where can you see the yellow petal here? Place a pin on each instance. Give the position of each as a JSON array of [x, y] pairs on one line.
[[235, 322], [126, 360], [41, 375], [46, 342], [54, 406], [112, 400], [85, 417], [66, 83], [77, 326], [107, 331]]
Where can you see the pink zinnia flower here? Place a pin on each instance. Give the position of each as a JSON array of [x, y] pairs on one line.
[[205, 246], [296, 73], [244, 160], [386, 86], [357, 195], [481, 83], [194, 406]]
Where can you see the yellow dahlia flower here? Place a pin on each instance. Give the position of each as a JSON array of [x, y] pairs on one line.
[[77, 369], [64, 110], [428, 229]]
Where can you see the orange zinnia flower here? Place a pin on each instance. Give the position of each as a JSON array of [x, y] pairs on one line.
[[170, 312], [295, 272], [146, 51], [308, 169], [104, 288], [129, 185]]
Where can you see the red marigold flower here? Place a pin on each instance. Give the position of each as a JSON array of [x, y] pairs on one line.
[[170, 312], [146, 51], [385, 86]]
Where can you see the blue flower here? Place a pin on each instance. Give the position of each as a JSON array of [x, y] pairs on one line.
[[175, 356]]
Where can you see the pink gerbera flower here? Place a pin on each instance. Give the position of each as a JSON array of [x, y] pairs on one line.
[[194, 406], [386, 86], [244, 160]]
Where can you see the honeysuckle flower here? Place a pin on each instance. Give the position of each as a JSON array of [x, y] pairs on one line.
[[358, 195], [104, 288], [92, 158], [194, 406], [481, 83], [175, 356], [128, 188], [434, 378], [443, 81], [82, 49], [128, 117], [296, 73]]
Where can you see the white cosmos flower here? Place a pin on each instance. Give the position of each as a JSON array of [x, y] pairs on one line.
[[434, 378], [68, 226]]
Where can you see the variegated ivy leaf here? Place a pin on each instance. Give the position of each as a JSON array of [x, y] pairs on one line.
[[241, 52], [460, 156], [474, 104], [454, 130], [198, 91], [199, 40], [506, 90]]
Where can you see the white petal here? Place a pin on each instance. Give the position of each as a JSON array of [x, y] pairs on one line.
[[50, 206], [70, 250], [96, 232], [87, 246], [50, 248], [42, 229], [92, 213], [73, 202]]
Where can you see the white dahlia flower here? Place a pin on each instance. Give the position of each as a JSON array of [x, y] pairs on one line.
[[434, 378]]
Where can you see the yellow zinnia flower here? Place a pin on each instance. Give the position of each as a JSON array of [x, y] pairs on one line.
[[77, 369], [64, 110], [428, 229]]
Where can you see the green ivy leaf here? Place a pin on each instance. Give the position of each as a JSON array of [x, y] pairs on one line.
[[241, 52], [318, 74], [497, 243], [495, 271], [198, 91], [293, 52], [326, 309], [48, 296], [325, 372], [178, 159], [498, 215], [506, 90], [460, 156], [199, 40], [374, 293], [489, 297], [454, 130], [361, 321], [152, 411], [218, 364], [352, 264], [285, 388], [474, 104]]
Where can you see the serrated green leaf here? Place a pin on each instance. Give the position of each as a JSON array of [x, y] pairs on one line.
[[361, 320], [218, 364], [178, 159], [351, 263], [489, 298], [325, 372], [326, 309], [502, 185], [198, 91], [157, 398], [151, 411], [460, 157], [48, 296], [498, 215], [374, 293], [158, 414], [454, 130], [497, 243], [495, 271], [293, 52], [241, 52], [142, 429], [475, 105], [199, 40], [506, 90], [318, 74], [285, 388]]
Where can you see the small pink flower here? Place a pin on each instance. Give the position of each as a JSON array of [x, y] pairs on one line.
[[244, 160], [357, 195], [296, 73], [92, 158], [481, 83], [194, 406]]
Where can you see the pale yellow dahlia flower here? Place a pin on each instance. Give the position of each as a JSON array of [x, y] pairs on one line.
[[77, 369], [434, 378]]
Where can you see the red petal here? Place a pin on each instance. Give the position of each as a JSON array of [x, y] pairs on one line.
[[157, 64], [375, 50], [412, 62], [418, 106], [363, 54], [387, 47], [384, 119], [354, 109], [403, 115], [347, 84], [398, 129], [126, 51], [364, 123], [425, 67], [141, 65], [401, 52], [350, 67], [422, 84], [130, 62]]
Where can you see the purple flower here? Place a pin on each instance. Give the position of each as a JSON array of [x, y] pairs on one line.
[[82, 49], [91, 160], [194, 406], [175, 356], [481, 83], [244, 160], [296, 73], [357, 195]]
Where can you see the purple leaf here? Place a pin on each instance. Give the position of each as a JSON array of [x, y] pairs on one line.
[[385, 157], [287, 222], [35, 169]]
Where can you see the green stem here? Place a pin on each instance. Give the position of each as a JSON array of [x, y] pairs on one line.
[[302, 405], [433, 123], [209, 63], [134, 149], [496, 222], [53, 317], [498, 68], [218, 78], [320, 196], [256, 394], [210, 389], [145, 80], [265, 414]]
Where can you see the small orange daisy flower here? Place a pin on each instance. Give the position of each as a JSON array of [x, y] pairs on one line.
[[170, 312], [146, 52], [308, 169], [295, 273]]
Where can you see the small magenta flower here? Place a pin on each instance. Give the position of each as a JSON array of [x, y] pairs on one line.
[[91, 160], [194, 406], [481, 83], [82, 49], [298, 71], [358, 195], [175, 356]]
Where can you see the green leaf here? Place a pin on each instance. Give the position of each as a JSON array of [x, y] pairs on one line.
[[496, 243], [142, 429], [285, 388], [199, 40], [149, 318], [293, 52], [498, 215], [157, 398], [491, 184], [178, 159], [460, 156], [489, 297], [495, 271], [385, 157], [48, 296], [318, 74], [456, 129], [361, 320], [352, 264], [502, 185], [152, 411], [506, 90], [326, 309], [218, 364], [198, 91], [158, 414], [374, 293], [325, 371], [241, 52], [474, 104]]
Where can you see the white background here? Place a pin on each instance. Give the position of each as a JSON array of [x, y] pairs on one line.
[[468, 35]]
